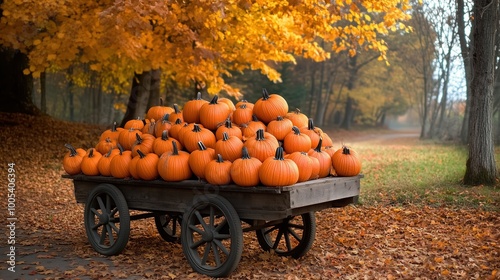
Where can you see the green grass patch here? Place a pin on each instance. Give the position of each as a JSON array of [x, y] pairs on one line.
[[420, 172]]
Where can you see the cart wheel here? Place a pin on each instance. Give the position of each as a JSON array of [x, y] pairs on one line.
[[169, 227], [212, 238], [107, 220], [293, 237]]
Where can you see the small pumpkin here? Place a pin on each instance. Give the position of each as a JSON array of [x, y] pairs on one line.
[[230, 128], [242, 114], [119, 166], [163, 144], [111, 133], [176, 127], [191, 110], [269, 107], [105, 162], [128, 137], [146, 166], [198, 133], [325, 161], [90, 161], [346, 162], [213, 114], [298, 118], [174, 166], [176, 114], [280, 127], [157, 112], [313, 132], [262, 146], [249, 129], [144, 143], [244, 102], [135, 124], [218, 171], [245, 170], [199, 159], [278, 171], [162, 125], [229, 147], [73, 159], [296, 142], [304, 163]]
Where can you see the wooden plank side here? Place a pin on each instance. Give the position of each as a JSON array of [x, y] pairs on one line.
[[259, 203], [323, 192]]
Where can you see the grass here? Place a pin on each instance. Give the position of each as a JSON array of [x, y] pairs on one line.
[[407, 171]]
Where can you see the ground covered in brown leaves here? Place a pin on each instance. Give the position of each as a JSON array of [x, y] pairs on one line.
[[354, 242]]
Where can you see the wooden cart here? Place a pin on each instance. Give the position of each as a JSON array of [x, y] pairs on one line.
[[206, 219]]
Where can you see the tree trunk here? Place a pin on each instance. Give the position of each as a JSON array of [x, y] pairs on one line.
[[348, 113], [139, 96], [17, 88], [154, 97], [481, 166], [465, 53]]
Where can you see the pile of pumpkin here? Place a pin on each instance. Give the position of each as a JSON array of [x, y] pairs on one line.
[[218, 141]]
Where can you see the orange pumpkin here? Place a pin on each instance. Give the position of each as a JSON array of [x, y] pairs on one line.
[[262, 146], [73, 159], [280, 127], [245, 170], [191, 110], [345, 161], [296, 142], [277, 171], [229, 147], [218, 171], [304, 163], [325, 161], [229, 128], [199, 159], [163, 144], [119, 166], [269, 107], [157, 112], [90, 161], [174, 166], [146, 166], [242, 114], [105, 162], [297, 118], [198, 133], [214, 114]]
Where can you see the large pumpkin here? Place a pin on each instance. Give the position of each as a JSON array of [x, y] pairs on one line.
[[296, 142], [229, 147], [90, 161], [345, 161], [262, 145], [146, 166], [191, 110], [214, 113], [245, 170], [277, 171], [218, 171], [174, 166], [73, 159], [269, 107], [119, 166], [199, 159]]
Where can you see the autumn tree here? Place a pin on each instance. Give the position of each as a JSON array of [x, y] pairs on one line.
[[192, 40], [481, 166]]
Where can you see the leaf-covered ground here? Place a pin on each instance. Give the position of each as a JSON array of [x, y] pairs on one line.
[[354, 242]]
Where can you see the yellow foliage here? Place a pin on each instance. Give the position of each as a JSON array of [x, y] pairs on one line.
[[194, 40]]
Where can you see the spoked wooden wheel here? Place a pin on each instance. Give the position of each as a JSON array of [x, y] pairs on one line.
[[107, 219], [212, 238], [169, 227], [292, 237]]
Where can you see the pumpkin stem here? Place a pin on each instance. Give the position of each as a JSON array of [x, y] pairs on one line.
[[198, 96], [243, 106], [228, 123], [178, 121], [259, 135], [244, 153], [138, 138], [109, 152], [91, 153], [165, 117], [296, 130], [141, 154], [196, 128], [265, 94], [144, 121], [161, 101], [214, 100], [164, 135], [346, 150], [201, 146], [219, 158], [175, 150], [176, 109], [120, 148], [113, 128], [297, 111], [318, 148], [279, 154], [310, 124], [225, 136], [279, 118], [254, 118], [72, 151]]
